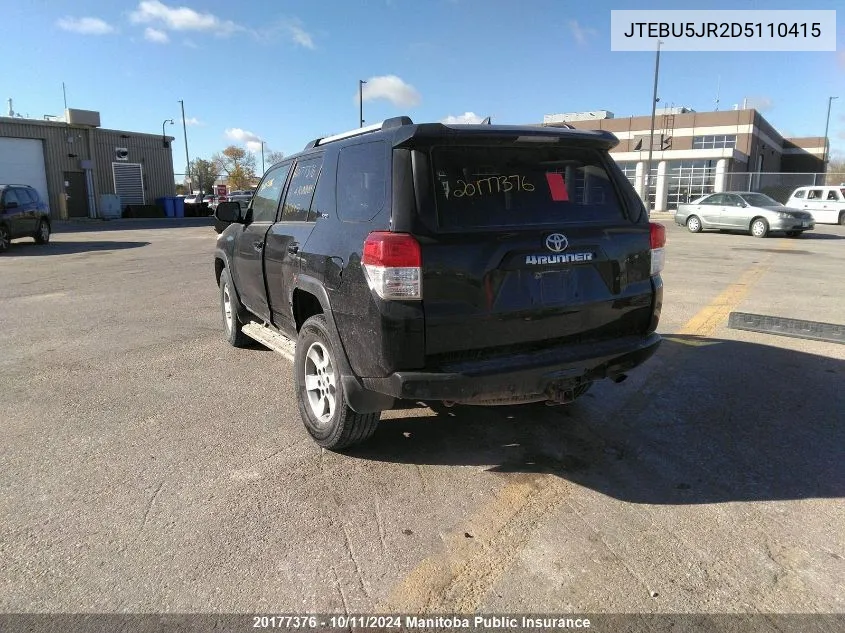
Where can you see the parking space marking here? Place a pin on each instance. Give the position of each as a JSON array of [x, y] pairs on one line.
[[458, 579], [711, 317]]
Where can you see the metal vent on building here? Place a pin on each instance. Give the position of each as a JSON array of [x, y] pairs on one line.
[[129, 182]]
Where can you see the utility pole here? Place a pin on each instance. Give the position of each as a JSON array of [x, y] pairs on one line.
[[654, 101], [187, 158], [361, 83], [262, 157], [826, 126]]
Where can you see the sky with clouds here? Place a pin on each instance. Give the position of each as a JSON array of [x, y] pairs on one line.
[[283, 73]]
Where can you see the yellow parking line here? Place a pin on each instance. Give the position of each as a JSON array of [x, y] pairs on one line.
[[458, 579], [710, 318]]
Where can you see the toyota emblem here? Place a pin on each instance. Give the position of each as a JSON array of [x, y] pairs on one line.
[[557, 242]]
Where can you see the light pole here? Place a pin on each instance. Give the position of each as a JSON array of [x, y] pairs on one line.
[[826, 126], [654, 101], [187, 158], [163, 136], [262, 157], [361, 83]]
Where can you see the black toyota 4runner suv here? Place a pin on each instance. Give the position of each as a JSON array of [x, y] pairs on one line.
[[468, 264]]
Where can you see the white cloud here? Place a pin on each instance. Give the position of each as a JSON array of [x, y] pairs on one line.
[[301, 36], [193, 121], [154, 35], [760, 103], [85, 26], [579, 33], [244, 137], [181, 18], [470, 118], [393, 89]]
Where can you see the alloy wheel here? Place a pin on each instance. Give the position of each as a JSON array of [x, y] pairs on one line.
[[320, 383]]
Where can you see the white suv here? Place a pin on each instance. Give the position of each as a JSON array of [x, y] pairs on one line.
[[825, 203]]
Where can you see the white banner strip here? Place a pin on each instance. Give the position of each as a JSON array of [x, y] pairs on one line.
[[723, 30]]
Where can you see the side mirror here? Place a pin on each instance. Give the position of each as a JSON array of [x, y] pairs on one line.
[[11, 205], [229, 212]]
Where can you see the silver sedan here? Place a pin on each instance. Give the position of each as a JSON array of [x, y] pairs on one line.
[[755, 213]]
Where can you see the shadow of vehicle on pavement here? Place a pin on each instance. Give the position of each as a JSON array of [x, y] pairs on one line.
[[31, 249], [715, 421], [123, 224]]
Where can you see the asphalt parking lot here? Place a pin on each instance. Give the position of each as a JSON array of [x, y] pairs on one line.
[[149, 467]]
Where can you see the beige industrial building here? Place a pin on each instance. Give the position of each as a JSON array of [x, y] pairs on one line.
[[74, 163], [696, 153]]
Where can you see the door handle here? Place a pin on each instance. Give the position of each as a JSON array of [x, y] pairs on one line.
[[293, 248], [258, 246]]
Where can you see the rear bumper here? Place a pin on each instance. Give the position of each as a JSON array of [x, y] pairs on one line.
[[520, 376]]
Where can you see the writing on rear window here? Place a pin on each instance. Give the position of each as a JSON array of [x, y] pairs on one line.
[[496, 186], [489, 185]]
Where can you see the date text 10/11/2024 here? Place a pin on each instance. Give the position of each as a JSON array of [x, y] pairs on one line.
[[382, 622]]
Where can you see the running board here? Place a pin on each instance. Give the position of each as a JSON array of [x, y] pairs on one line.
[[270, 338]]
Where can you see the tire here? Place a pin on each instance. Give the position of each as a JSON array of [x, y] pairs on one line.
[[759, 227], [229, 311], [319, 392], [794, 233], [842, 218], [42, 234], [694, 224], [5, 238]]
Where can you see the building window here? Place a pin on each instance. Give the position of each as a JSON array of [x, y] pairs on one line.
[[688, 180], [629, 168], [717, 141]]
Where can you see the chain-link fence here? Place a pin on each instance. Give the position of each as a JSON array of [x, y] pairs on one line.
[[778, 185]]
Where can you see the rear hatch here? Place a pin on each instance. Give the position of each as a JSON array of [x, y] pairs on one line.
[[527, 246]]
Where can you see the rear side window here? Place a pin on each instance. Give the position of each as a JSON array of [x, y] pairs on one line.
[[9, 196], [718, 198], [361, 181], [301, 190], [488, 187]]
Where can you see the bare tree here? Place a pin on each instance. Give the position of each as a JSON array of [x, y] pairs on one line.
[[274, 157]]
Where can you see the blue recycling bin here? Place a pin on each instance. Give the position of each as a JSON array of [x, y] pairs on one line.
[[167, 204], [179, 206]]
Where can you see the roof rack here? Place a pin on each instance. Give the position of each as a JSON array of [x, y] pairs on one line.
[[387, 124]]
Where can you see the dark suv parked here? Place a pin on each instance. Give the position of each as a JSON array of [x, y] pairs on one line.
[[473, 264], [22, 214]]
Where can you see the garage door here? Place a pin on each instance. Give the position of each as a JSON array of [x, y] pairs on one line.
[[129, 183], [22, 163]]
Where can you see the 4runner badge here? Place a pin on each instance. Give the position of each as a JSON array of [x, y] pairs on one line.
[[557, 242], [537, 260]]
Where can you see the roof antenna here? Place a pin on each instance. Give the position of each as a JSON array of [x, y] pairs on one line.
[[486, 121], [718, 85]]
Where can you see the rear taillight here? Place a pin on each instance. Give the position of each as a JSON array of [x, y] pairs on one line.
[[658, 253], [393, 265]]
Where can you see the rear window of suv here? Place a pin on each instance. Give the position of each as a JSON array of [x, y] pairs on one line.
[[488, 187]]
